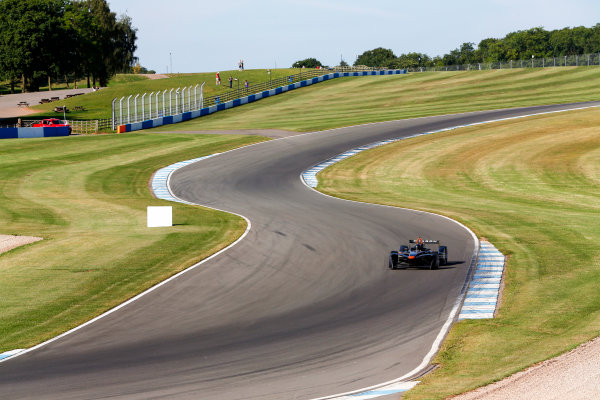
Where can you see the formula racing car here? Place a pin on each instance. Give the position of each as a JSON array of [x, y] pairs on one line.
[[417, 255]]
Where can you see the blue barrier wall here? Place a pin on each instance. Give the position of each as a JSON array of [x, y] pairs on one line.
[[153, 123], [23, 133]]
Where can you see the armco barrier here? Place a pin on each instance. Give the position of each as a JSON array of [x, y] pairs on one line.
[[153, 123], [22, 133]]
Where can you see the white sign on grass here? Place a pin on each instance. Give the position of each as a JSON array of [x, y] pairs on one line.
[[160, 216]]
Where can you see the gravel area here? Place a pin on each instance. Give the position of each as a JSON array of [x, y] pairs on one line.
[[9, 242], [574, 376]]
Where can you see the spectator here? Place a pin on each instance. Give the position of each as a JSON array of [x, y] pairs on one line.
[[218, 78], [230, 82], [246, 84]]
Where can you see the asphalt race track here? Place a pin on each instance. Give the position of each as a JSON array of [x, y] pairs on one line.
[[304, 306]]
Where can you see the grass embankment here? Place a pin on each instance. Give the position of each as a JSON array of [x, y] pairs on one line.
[[98, 104], [87, 197], [532, 187], [357, 100]]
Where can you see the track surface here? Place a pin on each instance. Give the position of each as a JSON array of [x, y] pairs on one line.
[[303, 307]]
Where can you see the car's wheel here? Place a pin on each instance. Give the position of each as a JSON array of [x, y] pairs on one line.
[[443, 251], [435, 262], [393, 263]]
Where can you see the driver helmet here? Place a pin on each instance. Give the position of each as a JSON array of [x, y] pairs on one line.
[[419, 244]]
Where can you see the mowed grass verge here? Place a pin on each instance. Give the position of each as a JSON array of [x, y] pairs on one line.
[[87, 197], [530, 186], [357, 100]]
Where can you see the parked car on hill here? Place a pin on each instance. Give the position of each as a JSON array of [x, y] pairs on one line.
[[52, 123]]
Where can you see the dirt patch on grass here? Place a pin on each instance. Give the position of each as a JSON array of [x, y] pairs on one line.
[[9, 242], [155, 76]]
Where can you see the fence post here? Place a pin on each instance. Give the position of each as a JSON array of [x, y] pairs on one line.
[[177, 101], [128, 111], [183, 99], [113, 114], [121, 111], [170, 102], [150, 106], [157, 103], [164, 107], [196, 96], [143, 112], [202, 95], [135, 107]]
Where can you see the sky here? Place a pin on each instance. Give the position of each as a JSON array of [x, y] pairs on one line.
[[203, 36]]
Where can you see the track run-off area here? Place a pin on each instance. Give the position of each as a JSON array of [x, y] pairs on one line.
[[303, 307]]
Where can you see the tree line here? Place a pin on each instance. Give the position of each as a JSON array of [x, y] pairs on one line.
[[519, 45], [44, 40]]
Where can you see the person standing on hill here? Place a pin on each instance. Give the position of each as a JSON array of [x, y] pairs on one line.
[[218, 78], [230, 82]]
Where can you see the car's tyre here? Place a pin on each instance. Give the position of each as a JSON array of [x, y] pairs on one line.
[[443, 252], [435, 262], [403, 249], [393, 263]]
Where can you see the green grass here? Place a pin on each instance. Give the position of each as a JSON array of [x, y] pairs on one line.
[[358, 100], [98, 104], [87, 197], [529, 186]]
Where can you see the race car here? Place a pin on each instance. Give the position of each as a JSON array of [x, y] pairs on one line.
[[417, 255]]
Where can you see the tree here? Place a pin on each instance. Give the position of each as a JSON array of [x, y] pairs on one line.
[[30, 31], [307, 63], [378, 57], [45, 38], [413, 60], [113, 42]]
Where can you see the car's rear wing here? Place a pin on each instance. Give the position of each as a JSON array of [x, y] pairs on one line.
[[425, 241]]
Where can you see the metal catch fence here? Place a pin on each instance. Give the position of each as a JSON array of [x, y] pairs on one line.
[[544, 62], [142, 107]]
